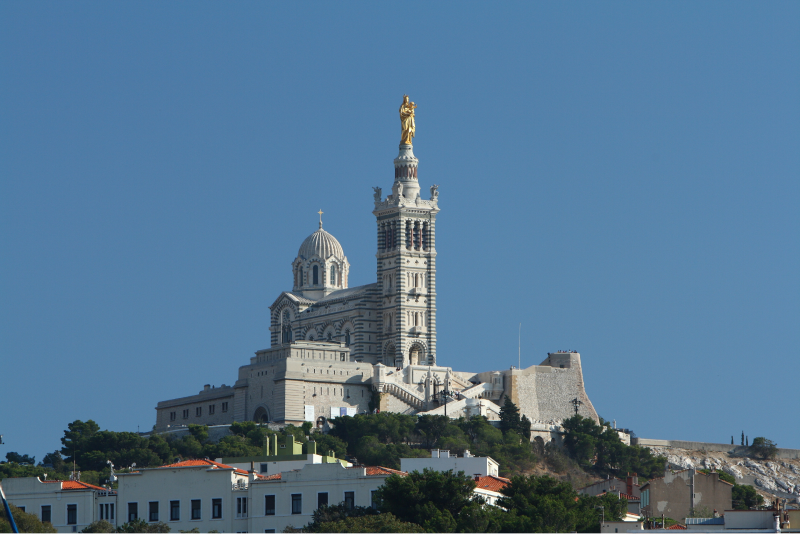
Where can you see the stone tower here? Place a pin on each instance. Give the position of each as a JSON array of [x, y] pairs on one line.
[[406, 268]]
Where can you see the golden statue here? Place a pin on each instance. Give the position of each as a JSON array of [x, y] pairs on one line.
[[407, 121]]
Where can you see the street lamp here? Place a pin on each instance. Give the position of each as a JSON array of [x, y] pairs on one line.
[[602, 516]]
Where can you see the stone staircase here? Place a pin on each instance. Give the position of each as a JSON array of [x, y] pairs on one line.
[[404, 394], [455, 409]]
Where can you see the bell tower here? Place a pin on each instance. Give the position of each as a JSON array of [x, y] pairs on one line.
[[406, 261]]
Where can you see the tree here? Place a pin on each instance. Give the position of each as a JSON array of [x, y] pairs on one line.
[[140, 525], [331, 513], [745, 497], [100, 526], [20, 458], [432, 499], [431, 428], [76, 438], [386, 522], [510, 419], [763, 448], [544, 504], [25, 522], [55, 460]]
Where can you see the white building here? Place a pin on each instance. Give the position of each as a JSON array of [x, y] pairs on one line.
[[333, 346], [69, 506], [442, 460]]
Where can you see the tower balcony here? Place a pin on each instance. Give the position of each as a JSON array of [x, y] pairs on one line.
[[417, 291], [418, 330]]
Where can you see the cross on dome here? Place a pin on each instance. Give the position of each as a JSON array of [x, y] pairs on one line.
[[320, 217]]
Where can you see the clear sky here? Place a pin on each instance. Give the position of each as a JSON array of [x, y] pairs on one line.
[[620, 178]]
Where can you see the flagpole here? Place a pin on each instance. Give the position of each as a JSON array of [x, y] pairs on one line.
[[8, 511]]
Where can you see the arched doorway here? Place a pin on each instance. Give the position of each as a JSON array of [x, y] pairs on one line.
[[261, 415], [416, 354]]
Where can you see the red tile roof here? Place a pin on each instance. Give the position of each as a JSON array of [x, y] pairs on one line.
[[276, 476], [677, 526], [74, 485], [377, 470], [206, 463], [492, 483]]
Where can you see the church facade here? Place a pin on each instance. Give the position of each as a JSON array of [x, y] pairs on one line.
[[339, 350]]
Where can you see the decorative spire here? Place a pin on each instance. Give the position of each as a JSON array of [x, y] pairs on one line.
[[320, 218]]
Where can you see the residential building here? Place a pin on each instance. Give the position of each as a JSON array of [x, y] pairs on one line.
[[490, 488], [678, 493], [442, 460], [70, 506], [628, 489]]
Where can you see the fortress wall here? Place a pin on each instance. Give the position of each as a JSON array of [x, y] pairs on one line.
[[735, 450], [544, 392]]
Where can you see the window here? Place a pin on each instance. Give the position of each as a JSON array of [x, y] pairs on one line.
[[186, 413], [216, 508], [211, 409], [198, 411], [109, 511], [196, 510], [21, 508], [241, 507], [301, 277], [153, 511], [47, 514], [373, 499], [342, 356], [315, 275], [133, 511], [72, 514], [333, 276], [269, 504], [270, 530], [264, 468], [172, 416], [347, 338], [349, 499], [297, 503], [224, 406], [174, 510], [322, 499]]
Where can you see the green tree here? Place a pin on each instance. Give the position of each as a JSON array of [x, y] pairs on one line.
[[510, 419], [544, 504], [763, 448], [331, 513], [25, 522], [76, 438], [431, 428], [432, 499], [386, 522], [745, 497], [100, 526], [20, 458], [54, 459], [140, 525]]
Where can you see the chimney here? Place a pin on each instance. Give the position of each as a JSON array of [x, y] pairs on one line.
[[434, 453], [251, 475], [477, 477], [206, 387]]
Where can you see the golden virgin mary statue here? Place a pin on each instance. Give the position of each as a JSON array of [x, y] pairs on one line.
[[407, 121]]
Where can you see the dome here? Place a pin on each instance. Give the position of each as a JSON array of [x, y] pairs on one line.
[[321, 244]]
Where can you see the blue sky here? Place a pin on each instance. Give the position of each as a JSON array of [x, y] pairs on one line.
[[620, 178]]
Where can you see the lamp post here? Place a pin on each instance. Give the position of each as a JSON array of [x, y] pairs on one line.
[[602, 516]]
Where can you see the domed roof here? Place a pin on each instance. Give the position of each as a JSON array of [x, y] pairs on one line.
[[322, 244]]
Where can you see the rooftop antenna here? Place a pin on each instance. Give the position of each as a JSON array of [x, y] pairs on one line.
[[519, 347]]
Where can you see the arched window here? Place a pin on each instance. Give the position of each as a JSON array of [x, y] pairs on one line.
[[315, 275], [333, 275], [347, 338], [300, 283], [330, 337]]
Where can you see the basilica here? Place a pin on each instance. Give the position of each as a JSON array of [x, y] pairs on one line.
[[339, 350]]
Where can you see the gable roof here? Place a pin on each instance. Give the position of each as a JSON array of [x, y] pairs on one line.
[[205, 463], [491, 483], [74, 485]]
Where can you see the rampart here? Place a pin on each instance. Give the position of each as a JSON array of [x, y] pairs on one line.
[[733, 450]]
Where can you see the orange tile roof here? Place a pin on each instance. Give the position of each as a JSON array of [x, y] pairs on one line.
[[276, 476], [205, 462], [378, 470], [492, 483], [676, 526], [74, 485]]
